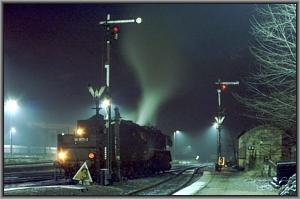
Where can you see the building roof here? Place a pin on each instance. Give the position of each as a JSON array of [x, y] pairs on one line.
[[264, 126]]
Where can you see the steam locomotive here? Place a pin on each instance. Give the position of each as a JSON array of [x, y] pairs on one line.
[[133, 150]]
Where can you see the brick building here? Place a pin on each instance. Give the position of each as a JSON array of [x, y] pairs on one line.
[[263, 143]]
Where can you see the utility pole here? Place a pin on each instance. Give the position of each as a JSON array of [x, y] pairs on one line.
[[111, 29], [221, 86]]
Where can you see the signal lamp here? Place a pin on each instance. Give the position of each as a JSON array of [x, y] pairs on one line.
[[138, 20], [115, 29], [221, 161], [223, 87], [91, 155]]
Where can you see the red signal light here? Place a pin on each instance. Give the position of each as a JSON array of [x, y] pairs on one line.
[[115, 29], [91, 155], [223, 87]]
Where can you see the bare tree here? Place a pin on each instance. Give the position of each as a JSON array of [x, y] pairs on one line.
[[272, 87]]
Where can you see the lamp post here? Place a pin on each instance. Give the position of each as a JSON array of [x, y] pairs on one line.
[[11, 107], [174, 145], [218, 125], [221, 86], [111, 28], [11, 131], [174, 138]]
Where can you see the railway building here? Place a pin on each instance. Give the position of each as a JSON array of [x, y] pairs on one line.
[[260, 148]]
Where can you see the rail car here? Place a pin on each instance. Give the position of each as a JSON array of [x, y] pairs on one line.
[[134, 150]]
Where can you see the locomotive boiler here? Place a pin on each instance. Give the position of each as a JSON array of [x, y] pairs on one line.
[[133, 150]]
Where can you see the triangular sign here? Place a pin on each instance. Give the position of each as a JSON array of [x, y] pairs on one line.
[[83, 174]]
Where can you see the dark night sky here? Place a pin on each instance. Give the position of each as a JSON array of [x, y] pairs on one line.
[[165, 67]]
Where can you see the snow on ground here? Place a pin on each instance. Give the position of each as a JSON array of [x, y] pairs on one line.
[[230, 182], [290, 189], [65, 191], [260, 183], [92, 190]]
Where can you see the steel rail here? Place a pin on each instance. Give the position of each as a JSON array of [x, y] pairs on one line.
[[135, 192]]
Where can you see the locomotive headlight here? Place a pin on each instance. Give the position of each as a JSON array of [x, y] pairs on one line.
[[62, 155], [80, 131]]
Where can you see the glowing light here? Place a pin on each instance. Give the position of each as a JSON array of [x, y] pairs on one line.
[[138, 20], [215, 125], [11, 106], [105, 103], [223, 87], [80, 131], [105, 153], [13, 130], [62, 155], [91, 155], [115, 29], [218, 121], [197, 157]]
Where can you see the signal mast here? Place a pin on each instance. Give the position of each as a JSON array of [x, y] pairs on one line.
[[221, 86], [112, 30]]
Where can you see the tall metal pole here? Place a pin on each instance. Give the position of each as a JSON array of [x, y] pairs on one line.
[[221, 86], [11, 106], [10, 132], [107, 67], [219, 126], [174, 144], [107, 24], [10, 138]]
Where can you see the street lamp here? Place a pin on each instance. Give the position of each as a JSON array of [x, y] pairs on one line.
[[11, 131], [11, 106], [215, 125], [175, 132]]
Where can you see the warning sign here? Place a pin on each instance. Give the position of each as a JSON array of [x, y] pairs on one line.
[[83, 175]]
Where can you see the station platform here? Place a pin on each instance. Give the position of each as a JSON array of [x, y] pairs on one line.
[[229, 182], [196, 186]]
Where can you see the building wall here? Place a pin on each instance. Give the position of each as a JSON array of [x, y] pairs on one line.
[[258, 145]]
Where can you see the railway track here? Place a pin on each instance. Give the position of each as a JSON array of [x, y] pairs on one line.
[[179, 180], [25, 167], [19, 180], [16, 174]]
